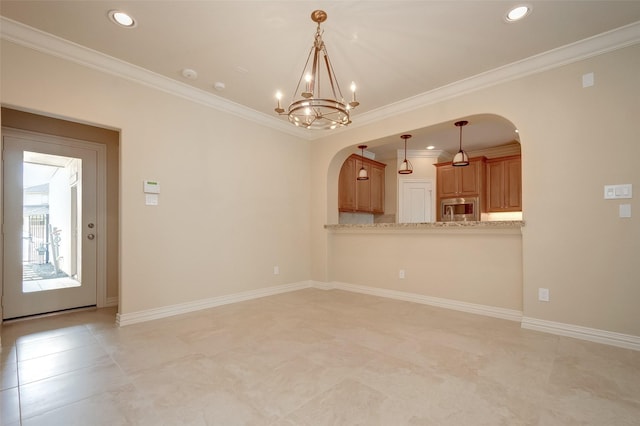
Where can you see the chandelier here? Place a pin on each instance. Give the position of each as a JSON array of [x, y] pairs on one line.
[[318, 103]]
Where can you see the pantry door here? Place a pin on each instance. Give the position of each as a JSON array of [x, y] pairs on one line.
[[415, 201], [51, 227]]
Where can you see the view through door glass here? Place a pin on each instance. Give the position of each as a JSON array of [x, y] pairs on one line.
[[50, 255]]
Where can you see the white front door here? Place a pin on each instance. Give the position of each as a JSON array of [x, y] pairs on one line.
[[50, 225], [415, 201]]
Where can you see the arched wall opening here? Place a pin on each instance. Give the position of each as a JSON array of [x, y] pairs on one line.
[[487, 135]]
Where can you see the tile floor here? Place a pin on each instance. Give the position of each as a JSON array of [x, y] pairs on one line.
[[310, 357]]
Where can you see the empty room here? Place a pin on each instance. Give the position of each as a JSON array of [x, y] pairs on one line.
[[320, 213]]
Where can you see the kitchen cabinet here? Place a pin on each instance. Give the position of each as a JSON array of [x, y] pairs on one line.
[[347, 186], [504, 184], [465, 181], [365, 196]]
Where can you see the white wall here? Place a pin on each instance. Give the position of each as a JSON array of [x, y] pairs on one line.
[[479, 267], [235, 195], [574, 141]]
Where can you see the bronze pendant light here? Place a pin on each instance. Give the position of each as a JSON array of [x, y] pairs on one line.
[[405, 167], [362, 174], [461, 158]]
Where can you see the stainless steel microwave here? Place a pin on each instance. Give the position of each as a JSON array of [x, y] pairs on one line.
[[460, 209]]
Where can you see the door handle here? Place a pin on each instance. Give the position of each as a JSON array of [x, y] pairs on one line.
[[91, 236]]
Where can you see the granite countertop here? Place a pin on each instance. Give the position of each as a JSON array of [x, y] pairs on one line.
[[489, 225]]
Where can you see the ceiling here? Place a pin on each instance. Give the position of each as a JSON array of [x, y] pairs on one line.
[[393, 50]]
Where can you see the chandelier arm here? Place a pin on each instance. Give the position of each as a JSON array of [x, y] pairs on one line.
[[302, 75], [331, 80], [318, 75], [314, 73], [332, 74]]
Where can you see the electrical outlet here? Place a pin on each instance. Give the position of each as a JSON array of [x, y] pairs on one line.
[[276, 270], [543, 294], [401, 274]]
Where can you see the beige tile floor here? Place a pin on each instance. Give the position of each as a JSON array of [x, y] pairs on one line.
[[310, 357]]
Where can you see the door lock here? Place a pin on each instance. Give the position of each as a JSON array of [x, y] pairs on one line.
[[91, 225]]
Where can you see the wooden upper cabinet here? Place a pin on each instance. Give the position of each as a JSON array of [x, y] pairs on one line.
[[363, 191], [465, 181], [504, 184], [347, 186], [366, 196], [447, 181]]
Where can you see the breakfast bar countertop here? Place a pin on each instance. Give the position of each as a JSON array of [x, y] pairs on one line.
[[514, 225]]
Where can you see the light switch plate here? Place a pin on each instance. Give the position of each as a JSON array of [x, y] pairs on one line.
[[625, 210], [615, 192]]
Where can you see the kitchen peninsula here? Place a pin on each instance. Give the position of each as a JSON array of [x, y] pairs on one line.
[[484, 225], [473, 266]]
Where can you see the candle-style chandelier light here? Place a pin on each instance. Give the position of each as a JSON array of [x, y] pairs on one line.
[[318, 102]]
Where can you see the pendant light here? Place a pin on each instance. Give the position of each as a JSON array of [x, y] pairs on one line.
[[461, 158], [362, 174], [405, 167]]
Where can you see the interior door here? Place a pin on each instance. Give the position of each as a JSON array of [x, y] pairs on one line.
[[49, 211], [415, 201]]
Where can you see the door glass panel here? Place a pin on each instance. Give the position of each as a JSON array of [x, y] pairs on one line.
[[51, 247]]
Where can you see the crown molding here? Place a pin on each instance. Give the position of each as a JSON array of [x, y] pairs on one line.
[[593, 46], [52, 45]]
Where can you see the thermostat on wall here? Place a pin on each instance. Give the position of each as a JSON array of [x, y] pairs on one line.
[[151, 187]]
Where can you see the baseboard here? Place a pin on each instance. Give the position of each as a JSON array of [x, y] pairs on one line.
[[626, 341], [321, 285], [584, 333], [490, 311], [183, 308]]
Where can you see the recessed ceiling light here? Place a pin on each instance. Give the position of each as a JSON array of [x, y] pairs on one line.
[[431, 147], [121, 18], [517, 13]]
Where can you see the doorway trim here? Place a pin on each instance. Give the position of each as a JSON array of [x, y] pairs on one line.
[[101, 200]]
